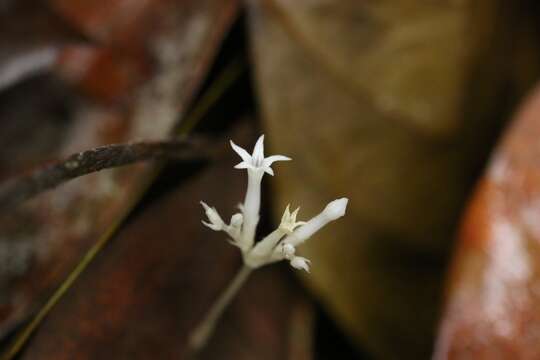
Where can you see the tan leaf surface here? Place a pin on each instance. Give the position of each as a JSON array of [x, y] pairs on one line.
[[393, 104]]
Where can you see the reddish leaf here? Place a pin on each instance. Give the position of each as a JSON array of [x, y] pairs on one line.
[[102, 72], [116, 21], [492, 310], [45, 239]]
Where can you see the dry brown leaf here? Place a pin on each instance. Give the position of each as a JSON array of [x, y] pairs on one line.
[[45, 239], [393, 104]]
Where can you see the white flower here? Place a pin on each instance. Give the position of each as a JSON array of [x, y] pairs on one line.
[[281, 243], [288, 220], [256, 161], [257, 165], [215, 222], [300, 263], [333, 211]]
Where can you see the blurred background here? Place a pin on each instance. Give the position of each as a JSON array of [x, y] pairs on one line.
[[423, 113]]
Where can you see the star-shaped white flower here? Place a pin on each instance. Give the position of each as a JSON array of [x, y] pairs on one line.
[[281, 243], [257, 161]]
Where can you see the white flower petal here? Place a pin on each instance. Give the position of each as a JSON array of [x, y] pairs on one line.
[[204, 205], [269, 170], [272, 159], [300, 263], [286, 214], [241, 152], [288, 220], [215, 221], [258, 151], [211, 226], [243, 165]]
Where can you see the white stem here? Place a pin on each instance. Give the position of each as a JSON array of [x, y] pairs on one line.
[[261, 253], [201, 334], [266, 245], [305, 231], [252, 204]]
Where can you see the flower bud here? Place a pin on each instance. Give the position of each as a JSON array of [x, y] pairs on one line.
[[336, 209], [288, 250], [300, 263], [236, 220], [215, 222]]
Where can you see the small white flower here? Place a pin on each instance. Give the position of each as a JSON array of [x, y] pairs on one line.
[[257, 165], [288, 221], [300, 263], [282, 242], [256, 161], [215, 222]]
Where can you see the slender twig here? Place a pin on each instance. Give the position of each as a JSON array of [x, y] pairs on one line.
[[18, 189], [202, 333]]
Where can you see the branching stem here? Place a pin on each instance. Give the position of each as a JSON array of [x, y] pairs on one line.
[[202, 333]]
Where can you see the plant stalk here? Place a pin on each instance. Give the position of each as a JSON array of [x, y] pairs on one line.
[[202, 333]]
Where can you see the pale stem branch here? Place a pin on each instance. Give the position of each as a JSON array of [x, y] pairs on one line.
[[252, 204], [202, 333]]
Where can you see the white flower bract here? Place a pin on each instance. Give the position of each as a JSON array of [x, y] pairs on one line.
[[281, 243]]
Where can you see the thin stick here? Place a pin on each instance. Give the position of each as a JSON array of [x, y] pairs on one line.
[[202, 333], [21, 188]]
